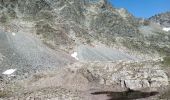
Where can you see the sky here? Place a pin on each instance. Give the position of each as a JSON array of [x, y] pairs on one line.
[[143, 8]]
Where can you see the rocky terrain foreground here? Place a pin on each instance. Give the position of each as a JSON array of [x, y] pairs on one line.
[[81, 50]]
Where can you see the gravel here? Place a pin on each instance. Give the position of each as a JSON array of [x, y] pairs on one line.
[[26, 54], [101, 53]]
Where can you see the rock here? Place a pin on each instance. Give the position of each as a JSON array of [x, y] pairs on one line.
[[1, 58], [136, 84], [128, 75], [163, 19], [137, 78]]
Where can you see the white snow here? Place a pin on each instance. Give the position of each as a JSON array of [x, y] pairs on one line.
[[13, 34], [75, 55], [9, 71], [166, 29]]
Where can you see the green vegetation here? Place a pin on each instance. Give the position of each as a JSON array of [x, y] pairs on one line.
[[3, 94], [4, 19], [136, 45], [166, 61]]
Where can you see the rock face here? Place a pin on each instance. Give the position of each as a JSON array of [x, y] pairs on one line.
[[133, 75], [162, 19]]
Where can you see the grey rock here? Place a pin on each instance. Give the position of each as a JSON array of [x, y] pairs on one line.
[[136, 84], [1, 58], [27, 54], [57, 20], [163, 19], [101, 53], [131, 75]]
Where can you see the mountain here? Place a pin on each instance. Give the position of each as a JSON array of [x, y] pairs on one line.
[[163, 19], [67, 24], [71, 48], [67, 19]]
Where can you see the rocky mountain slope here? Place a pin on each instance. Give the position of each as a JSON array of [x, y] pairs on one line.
[[71, 22], [163, 19], [79, 47]]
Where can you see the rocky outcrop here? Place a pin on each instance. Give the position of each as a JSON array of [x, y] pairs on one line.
[[162, 19], [79, 80], [133, 75]]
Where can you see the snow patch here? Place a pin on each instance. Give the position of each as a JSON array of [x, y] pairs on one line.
[[166, 29], [74, 55], [9, 71], [13, 34]]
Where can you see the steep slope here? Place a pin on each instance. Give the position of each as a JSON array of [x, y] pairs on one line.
[[26, 55], [71, 20], [66, 24], [69, 24], [112, 50], [62, 25]]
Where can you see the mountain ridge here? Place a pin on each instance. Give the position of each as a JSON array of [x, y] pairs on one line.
[[162, 19]]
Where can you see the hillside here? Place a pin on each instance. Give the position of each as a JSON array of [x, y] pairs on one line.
[[162, 18], [71, 49]]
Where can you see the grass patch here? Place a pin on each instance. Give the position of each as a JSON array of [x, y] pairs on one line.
[[166, 61], [4, 18]]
